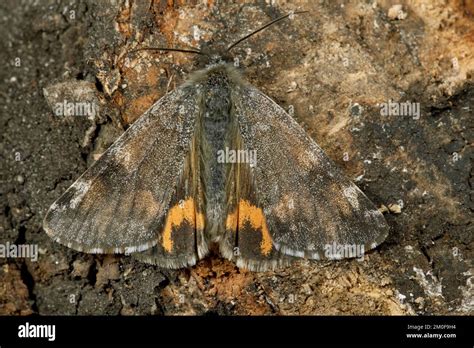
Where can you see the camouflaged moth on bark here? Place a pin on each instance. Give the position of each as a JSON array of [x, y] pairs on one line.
[[160, 193]]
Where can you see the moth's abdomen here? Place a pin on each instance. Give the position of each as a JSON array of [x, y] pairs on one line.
[[216, 121]]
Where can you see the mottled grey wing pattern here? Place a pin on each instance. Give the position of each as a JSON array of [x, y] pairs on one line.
[[246, 239], [119, 204], [307, 201], [182, 240]]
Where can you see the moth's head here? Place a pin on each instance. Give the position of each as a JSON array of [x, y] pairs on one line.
[[213, 53]]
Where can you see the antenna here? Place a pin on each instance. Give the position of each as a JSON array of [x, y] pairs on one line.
[[263, 27], [193, 50], [197, 51]]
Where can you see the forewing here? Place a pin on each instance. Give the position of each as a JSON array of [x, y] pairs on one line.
[[119, 204], [181, 241], [247, 239], [309, 205]]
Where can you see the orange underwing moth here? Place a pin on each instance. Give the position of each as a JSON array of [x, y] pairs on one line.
[[216, 161]]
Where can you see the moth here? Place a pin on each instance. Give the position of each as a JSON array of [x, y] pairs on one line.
[[179, 181]]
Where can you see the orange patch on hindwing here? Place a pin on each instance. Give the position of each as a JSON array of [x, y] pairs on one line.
[[185, 210], [254, 215]]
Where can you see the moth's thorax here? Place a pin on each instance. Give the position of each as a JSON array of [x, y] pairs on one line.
[[217, 97], [216, 74]]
